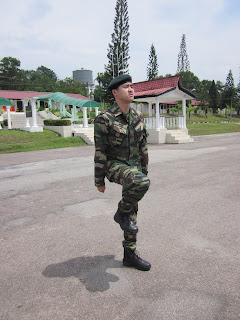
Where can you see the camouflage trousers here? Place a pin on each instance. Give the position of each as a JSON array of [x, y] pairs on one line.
[[134, 186]]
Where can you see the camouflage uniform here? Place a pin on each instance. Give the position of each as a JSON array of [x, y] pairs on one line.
[[121, 155]]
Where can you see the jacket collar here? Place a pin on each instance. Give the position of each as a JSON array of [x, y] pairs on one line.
[[117, 111]]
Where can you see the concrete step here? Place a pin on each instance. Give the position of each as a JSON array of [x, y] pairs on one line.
[[86, 134], [18, 120], [178, 136]]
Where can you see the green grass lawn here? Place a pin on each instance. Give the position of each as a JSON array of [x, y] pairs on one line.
[[212, 118], [17, 141], [197, 129]]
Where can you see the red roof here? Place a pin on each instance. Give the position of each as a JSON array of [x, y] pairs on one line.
[[199, 103], [155, 87], [14, 95]]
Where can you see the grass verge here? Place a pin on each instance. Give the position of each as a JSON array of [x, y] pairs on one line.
[[197, 129], [21, 141]]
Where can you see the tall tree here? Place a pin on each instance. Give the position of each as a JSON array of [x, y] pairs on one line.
[[213, 97], [237, 104], [152, 68], [183, 62], [69, 85], [118, 50], [46, 72], [190, 81], [10, 73], [229, 91]]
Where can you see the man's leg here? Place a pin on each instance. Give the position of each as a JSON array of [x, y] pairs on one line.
[[135, 184]]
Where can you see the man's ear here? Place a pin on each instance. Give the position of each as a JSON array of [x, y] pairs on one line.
[[114, 92]]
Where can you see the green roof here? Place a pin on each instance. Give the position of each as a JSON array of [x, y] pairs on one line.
[[62, 97], [5, 102]]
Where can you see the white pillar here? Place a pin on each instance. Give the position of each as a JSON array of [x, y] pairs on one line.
[[34, 113], [64, 109], [157, 115], [150, 109], [27, 125], [9, 117], [96, 111], [34, 127], [184, 113], [85, 120]]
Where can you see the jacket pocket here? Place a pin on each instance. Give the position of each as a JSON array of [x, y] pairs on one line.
[[140, 132], [118, 134]]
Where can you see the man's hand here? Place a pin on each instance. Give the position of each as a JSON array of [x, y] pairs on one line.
[[101, 189]]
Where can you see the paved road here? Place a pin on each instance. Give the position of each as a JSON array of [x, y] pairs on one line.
[[61, 254]]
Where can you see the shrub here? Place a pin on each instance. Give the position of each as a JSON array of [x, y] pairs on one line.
[[57, 122], [90, 120], [77, 122]]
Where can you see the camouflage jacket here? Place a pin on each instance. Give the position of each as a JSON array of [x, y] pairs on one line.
[[119, 138]]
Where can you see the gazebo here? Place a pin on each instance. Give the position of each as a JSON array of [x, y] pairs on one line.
[[154, 92], [63, 100], [7, 103]]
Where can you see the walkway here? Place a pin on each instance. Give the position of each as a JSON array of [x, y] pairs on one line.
[[61, 250]]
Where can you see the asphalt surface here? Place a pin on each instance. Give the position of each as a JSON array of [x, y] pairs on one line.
[[61, 251]]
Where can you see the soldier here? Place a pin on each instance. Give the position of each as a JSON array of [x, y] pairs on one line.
[[121, 155]]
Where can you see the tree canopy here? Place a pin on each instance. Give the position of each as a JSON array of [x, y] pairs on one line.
[[42, 79]]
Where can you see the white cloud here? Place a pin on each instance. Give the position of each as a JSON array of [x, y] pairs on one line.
[[68, 35]]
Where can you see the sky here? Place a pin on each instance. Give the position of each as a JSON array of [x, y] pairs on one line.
[[69, 35]]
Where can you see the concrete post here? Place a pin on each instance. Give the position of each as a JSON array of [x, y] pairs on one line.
[[184, 113], [150, 109], [85, 120], [157, 115], [34, 113], [96, 111], [27, 125], [9, 117], [34, 127]]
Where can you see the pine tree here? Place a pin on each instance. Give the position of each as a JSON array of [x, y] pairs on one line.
[[238, 97], [118, 51], [213, 96], [152, 68], [229, 91], [183, 62]]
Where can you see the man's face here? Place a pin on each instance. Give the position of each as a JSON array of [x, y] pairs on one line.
[[124, 93]]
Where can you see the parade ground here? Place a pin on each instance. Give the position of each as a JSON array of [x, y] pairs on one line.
[[61, 251]]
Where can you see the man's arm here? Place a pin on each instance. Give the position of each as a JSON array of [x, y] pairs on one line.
[[144, 152], [100, 159]]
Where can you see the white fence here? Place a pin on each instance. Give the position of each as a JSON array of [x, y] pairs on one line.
[[164, 122]]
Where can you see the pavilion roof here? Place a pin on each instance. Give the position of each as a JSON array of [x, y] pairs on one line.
[[15, 95], [64, 98], [158, 87]]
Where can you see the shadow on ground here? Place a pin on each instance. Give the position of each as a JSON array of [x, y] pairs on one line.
[[91, 271]]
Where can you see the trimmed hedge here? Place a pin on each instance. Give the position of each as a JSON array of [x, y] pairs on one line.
[[57, 122]]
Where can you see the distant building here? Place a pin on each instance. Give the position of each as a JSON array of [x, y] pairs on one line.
[[83, 76]]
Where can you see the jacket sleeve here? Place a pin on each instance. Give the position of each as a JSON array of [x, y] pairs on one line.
[[144, 152], [100, 159]]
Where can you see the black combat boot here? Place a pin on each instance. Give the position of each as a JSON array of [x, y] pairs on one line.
[[125, 222], [131, 259]]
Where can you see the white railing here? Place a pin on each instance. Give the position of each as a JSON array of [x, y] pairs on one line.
[[150, 122], [164, 122]]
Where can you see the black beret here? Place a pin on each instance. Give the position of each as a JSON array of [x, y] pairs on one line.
[[116, 82]]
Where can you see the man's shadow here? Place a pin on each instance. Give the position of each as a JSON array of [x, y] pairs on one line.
[[91, 271]]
